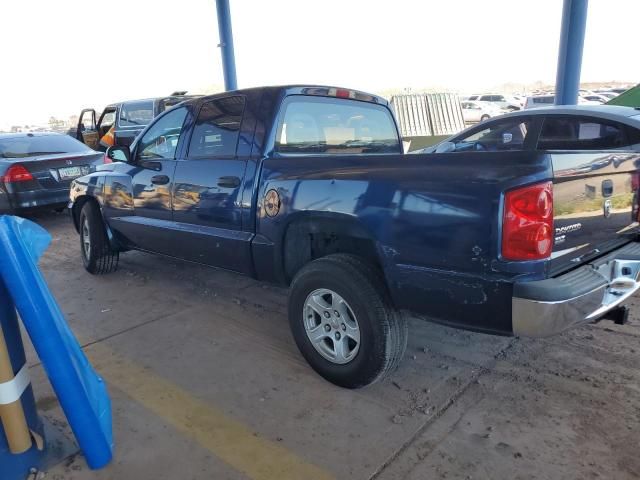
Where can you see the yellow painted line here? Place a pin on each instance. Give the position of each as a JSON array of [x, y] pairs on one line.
[[228, 439]]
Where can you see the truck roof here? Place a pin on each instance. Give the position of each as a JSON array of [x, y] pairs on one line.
[[155, 99], [302, 89]]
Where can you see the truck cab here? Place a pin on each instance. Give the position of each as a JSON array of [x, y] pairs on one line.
[[308, 187]]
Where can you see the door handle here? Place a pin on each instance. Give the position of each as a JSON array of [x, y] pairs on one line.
[[229, 182], [159, 179], [151, 165]]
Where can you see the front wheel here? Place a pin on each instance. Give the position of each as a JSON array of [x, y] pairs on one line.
[[343, 322], [98, 256], [484, 118]]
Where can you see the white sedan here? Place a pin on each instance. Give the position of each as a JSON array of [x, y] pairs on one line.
[[474, 112]]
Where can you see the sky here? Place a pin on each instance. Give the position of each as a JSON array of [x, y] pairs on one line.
[[59, 56]]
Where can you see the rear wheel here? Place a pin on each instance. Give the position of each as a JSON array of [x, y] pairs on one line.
[[484, 118], [98, 256], [343, 321]]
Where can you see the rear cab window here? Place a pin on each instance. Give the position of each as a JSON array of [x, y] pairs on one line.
[[326, 126], [134, 114]]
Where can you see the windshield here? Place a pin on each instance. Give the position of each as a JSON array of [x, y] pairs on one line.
[[136, 113], [29, 146], [328, 125]]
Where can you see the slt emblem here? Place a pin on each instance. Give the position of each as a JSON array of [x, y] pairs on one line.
[[272, 203], [606, 208]]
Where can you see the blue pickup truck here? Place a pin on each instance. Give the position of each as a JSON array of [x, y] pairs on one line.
[[308, 186]]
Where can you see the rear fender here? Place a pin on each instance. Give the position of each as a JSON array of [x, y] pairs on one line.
[[316, 234]]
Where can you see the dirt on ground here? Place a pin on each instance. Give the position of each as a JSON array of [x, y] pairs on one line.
[[461, 405]]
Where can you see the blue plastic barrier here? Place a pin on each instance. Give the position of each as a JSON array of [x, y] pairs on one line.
[[82, 393]]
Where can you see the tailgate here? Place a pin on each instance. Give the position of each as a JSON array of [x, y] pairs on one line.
[[595, 203]]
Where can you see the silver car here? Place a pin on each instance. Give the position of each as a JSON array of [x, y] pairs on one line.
[[474, 112]]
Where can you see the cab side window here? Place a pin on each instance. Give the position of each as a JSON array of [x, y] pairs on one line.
[[161, 140], [217, 128], [507, 135], [566, 133]]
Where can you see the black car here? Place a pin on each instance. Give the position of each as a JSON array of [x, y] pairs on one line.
[[36, 169], [121, 122]]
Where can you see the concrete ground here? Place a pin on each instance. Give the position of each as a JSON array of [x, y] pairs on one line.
[[206, 382]]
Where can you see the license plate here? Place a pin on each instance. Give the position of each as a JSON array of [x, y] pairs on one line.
[[68, 173]]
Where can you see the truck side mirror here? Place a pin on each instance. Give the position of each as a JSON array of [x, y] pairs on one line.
[[119, 153]]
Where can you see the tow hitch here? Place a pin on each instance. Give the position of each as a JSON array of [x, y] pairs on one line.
[[619, 315]]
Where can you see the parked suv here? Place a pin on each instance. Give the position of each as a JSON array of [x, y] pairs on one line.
[[121, 122]]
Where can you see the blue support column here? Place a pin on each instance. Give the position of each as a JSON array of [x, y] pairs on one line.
[[226, 45], [574, 24]]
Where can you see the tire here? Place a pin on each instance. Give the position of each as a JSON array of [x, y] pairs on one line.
[[484, 118], [97, 255], [359, 290]]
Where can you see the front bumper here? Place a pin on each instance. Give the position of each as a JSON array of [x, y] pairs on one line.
[[547, 307]]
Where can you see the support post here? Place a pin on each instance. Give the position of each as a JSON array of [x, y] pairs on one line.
[[18, 419], [574, 24], [226, 45]]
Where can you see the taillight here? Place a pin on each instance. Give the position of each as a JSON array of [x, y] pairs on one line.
[[16, 173], [527, 224]]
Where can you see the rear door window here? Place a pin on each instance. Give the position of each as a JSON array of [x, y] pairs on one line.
[[325, 125], [504, 135], [217, 128], [581, 133], [133, 114]]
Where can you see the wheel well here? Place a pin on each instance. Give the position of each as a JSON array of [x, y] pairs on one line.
[[77, 208], [310, 239]]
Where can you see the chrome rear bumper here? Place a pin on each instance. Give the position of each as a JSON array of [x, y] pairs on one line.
[[547, 307]]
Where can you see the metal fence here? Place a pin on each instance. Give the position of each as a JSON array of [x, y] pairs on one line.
[[428, 114]]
